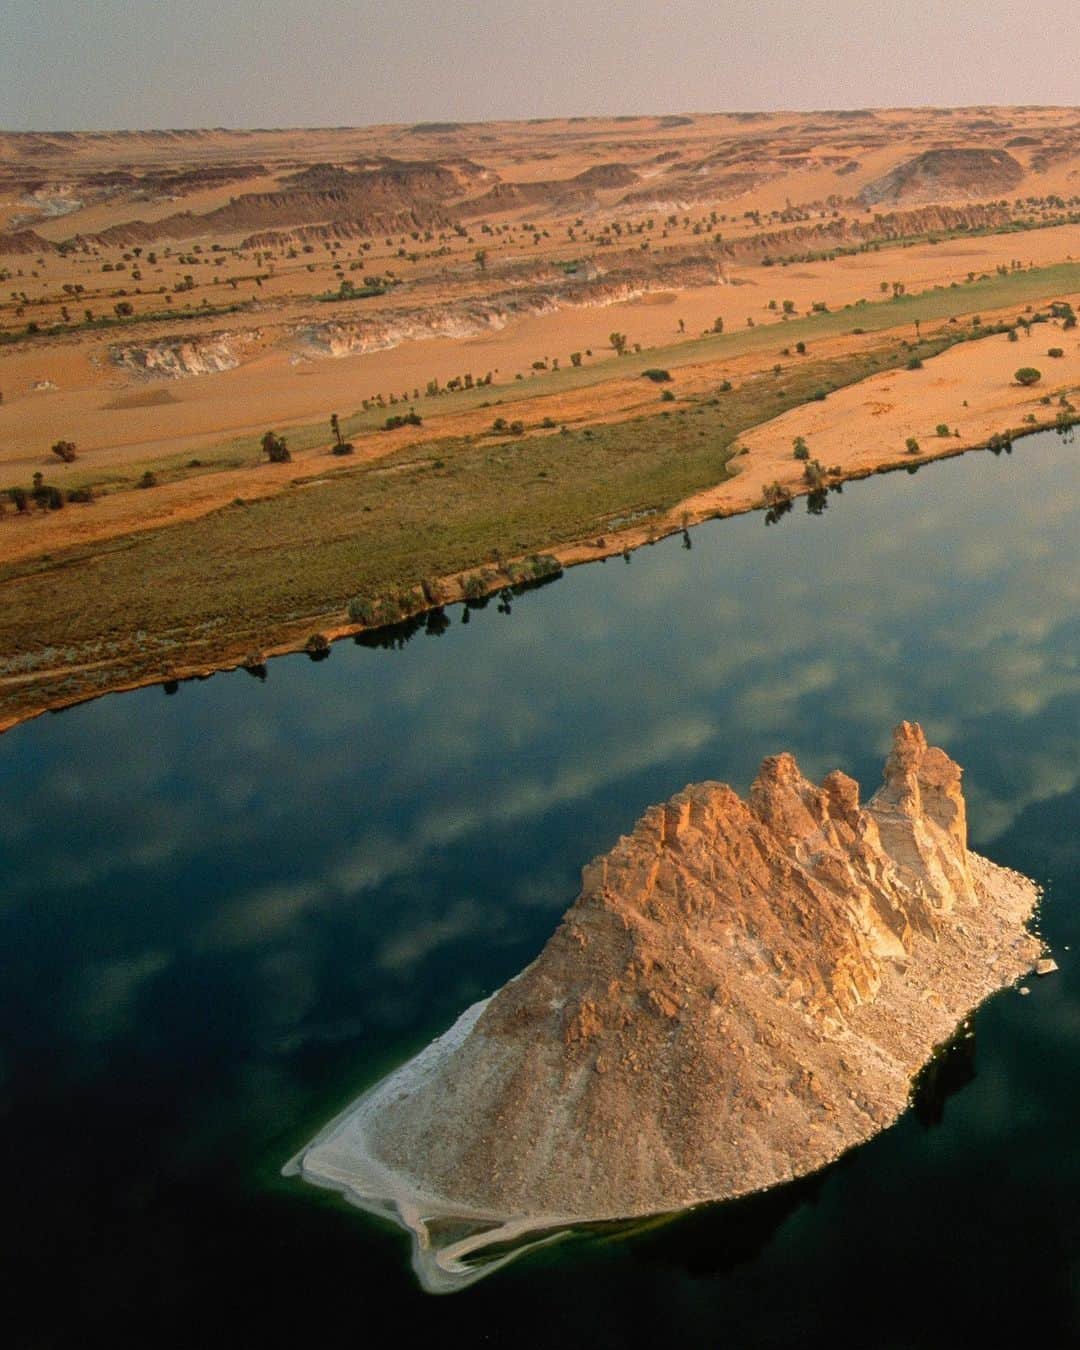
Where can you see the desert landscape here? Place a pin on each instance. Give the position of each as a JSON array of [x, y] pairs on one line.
[[419, 358], [442, 445]]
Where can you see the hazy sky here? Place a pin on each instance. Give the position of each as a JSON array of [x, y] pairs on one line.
[[171, 63]]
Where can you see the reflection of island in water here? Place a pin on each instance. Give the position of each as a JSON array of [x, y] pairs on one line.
[[951, 1069]]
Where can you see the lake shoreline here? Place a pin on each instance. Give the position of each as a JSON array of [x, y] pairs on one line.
[[487, 582]]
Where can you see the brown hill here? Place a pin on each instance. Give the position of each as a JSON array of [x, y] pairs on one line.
[[395, 195], [742, 991], [938, 175]]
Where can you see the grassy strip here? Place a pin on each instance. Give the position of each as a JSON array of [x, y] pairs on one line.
[[9, 337], [237, 578], [990, 293], [995, 292]]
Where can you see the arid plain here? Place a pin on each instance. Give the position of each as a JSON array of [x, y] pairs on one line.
[[561, 338]]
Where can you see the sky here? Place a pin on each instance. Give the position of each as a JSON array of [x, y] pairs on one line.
[[96, 64]]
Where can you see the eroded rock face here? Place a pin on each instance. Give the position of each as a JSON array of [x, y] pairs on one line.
[[742, 991], [181, 357]]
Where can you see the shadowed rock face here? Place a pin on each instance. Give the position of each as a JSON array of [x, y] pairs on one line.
[[743, 990]]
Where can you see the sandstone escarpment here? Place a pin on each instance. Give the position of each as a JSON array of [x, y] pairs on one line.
[[742, 991]]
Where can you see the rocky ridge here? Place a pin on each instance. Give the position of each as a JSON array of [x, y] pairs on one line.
[[742, 991]]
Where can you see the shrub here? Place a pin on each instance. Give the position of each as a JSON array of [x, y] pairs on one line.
[[814, 473], [342, 448], [820, 395], [410, 419], [148, 480], [657, 376], [274, 448], [477, 586], [1055, 352], [516, 428], [666, 396], [911, 445], [914, 363], [1028, 375], [1013, 336], [20, 498], [82, 494], [376, 611], [943, 430], [725, 386], [537, 567], [65, 450], [317, 646], [800, 347], [800, 449]]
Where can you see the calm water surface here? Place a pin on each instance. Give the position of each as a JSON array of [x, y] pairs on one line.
[[227, 911]]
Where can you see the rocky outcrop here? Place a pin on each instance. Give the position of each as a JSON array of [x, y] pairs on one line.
[[395, 195], [177, 358], [555, 194], [946, 173], [589, 288], [19, 242], [742, 991]]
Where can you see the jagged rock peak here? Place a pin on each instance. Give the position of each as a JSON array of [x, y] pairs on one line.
[[742, 990]]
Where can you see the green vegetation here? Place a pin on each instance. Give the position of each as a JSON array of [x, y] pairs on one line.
[[274, 448], [213, 588], [347, 291], [1028, 375], [341, 446]]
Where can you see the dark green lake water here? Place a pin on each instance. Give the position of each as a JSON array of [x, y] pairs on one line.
[[225, 912]]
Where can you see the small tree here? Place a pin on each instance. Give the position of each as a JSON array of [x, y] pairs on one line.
[[800, 449], [575, 358], [341, 445], [912, 445], [618, 341], [1028, 375], [65, 450], [275, 449]]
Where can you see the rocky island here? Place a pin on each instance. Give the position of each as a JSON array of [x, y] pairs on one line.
[[742, 991]]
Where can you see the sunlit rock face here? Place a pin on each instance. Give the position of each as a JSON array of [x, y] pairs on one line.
[[742, 991]]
